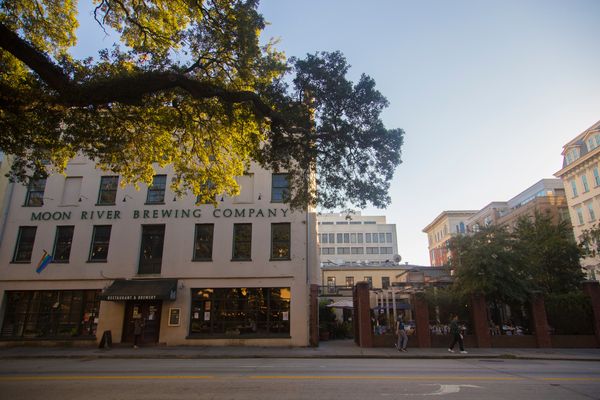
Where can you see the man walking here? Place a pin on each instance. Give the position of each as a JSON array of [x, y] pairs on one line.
[[456, 336], [401, 332]]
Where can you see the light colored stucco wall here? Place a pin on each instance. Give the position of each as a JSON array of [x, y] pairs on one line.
[[583, 166], [127, 218]]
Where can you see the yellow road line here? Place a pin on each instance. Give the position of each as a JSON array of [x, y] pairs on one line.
[[596, 379], [386, 377], [101, 377], [418, 378]]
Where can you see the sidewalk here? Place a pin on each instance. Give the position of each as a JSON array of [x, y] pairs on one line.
[[328, 349]]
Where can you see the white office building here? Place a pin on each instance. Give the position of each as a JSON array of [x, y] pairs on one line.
[[346, 238]]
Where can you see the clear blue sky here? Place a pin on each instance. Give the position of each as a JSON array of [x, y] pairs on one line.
[[488, 92]]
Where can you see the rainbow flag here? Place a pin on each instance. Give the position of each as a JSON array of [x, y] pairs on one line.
[[44, 261]]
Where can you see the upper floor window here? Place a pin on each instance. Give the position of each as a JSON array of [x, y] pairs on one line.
[[574, 187], [207, 194], [151, 251], [593, 142], [372, 250], [349, 281], [242, 241], [331, 284], [385, 282], [327, 250], [280, 241], [586, 187], [591, 212], [203, 243], [596, 177], [572, 155], [108, 190], [35, 193], [343, 250], [246, 184], [72, 190], [357, 250], [579, 211], [62, 244], [100, 243], [156, 192], [24, 247], [369, 280], [327, 238], [331, 281], [279, 188], [385, 250]]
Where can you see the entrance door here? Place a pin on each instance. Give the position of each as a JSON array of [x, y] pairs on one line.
[[150, 312]]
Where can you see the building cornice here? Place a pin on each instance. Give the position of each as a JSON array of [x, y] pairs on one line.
[[581, 163], [449, 213]]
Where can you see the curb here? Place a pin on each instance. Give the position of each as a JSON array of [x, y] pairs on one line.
[[294, 356]]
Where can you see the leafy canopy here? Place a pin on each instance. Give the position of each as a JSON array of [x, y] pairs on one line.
[[538, 255], [188, 84]]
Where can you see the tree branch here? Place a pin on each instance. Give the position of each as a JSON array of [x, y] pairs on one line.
[[127, 89], [33, 58]]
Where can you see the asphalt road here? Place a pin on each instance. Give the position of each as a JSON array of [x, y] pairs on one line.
[[312, 379]]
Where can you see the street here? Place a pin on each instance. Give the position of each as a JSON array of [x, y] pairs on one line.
[[265, 379]]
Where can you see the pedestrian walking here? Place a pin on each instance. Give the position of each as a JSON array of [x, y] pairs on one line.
[[401, 332], [138, 330], [457, 336]]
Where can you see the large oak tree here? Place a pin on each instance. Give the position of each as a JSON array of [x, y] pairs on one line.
[[188, 84]]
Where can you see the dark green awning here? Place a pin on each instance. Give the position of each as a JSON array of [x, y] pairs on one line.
[[143, 289]]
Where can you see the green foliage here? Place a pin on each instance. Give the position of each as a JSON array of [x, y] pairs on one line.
[[570, 313], [444, 302], [589, 241], [189, 85], [549, 254], [326, 316], [537, 256], [485, 264]]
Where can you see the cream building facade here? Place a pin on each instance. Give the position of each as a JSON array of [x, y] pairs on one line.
[[580, 174], [445, 226], [235, 274]]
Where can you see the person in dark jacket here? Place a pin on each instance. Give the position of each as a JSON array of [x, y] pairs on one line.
[[456, 335], [138, 330]]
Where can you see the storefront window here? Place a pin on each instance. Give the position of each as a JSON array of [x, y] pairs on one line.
[[235, 312], [51, 314]]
